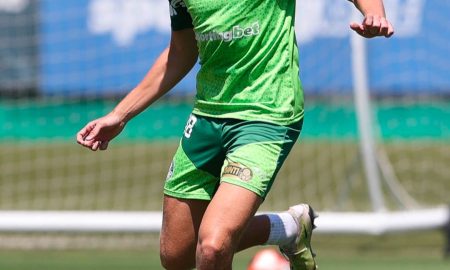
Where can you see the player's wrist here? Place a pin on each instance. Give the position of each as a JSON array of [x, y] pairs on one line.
[[120, 117], [370, 8]]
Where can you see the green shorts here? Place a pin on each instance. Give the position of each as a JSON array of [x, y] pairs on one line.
[[244, 153]]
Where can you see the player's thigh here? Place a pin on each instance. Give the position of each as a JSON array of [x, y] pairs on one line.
[[227, 216], [181, 222]]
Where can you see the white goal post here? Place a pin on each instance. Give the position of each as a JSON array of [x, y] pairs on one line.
[[328, 222]]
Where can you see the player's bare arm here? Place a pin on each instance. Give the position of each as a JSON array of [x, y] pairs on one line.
[[375, 22], [170, 67]]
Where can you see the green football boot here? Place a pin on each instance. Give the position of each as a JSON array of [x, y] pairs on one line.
[[299, 252]]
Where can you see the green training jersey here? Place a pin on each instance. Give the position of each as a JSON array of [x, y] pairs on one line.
[[248, 57]]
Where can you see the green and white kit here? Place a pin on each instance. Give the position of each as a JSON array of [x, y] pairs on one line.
[[248, 80]]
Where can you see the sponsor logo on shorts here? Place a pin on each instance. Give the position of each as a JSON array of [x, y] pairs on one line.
[[237, 170], [171, 168]]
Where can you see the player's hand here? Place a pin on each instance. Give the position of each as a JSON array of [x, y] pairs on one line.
[[98, 133], [373, 26]]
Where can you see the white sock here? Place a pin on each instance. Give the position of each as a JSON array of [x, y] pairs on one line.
[[283, 229]]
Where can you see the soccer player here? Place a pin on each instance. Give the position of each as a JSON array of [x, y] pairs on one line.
[[247, 115]]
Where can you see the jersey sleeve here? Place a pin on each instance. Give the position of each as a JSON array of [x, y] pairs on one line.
[[179, 15]]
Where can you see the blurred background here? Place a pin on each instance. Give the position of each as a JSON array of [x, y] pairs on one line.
[[64, 63]]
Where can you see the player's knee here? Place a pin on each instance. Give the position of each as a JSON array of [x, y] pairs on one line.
[[211, 249]]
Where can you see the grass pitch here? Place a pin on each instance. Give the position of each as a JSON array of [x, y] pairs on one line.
[[412, 251], [334, 253]]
